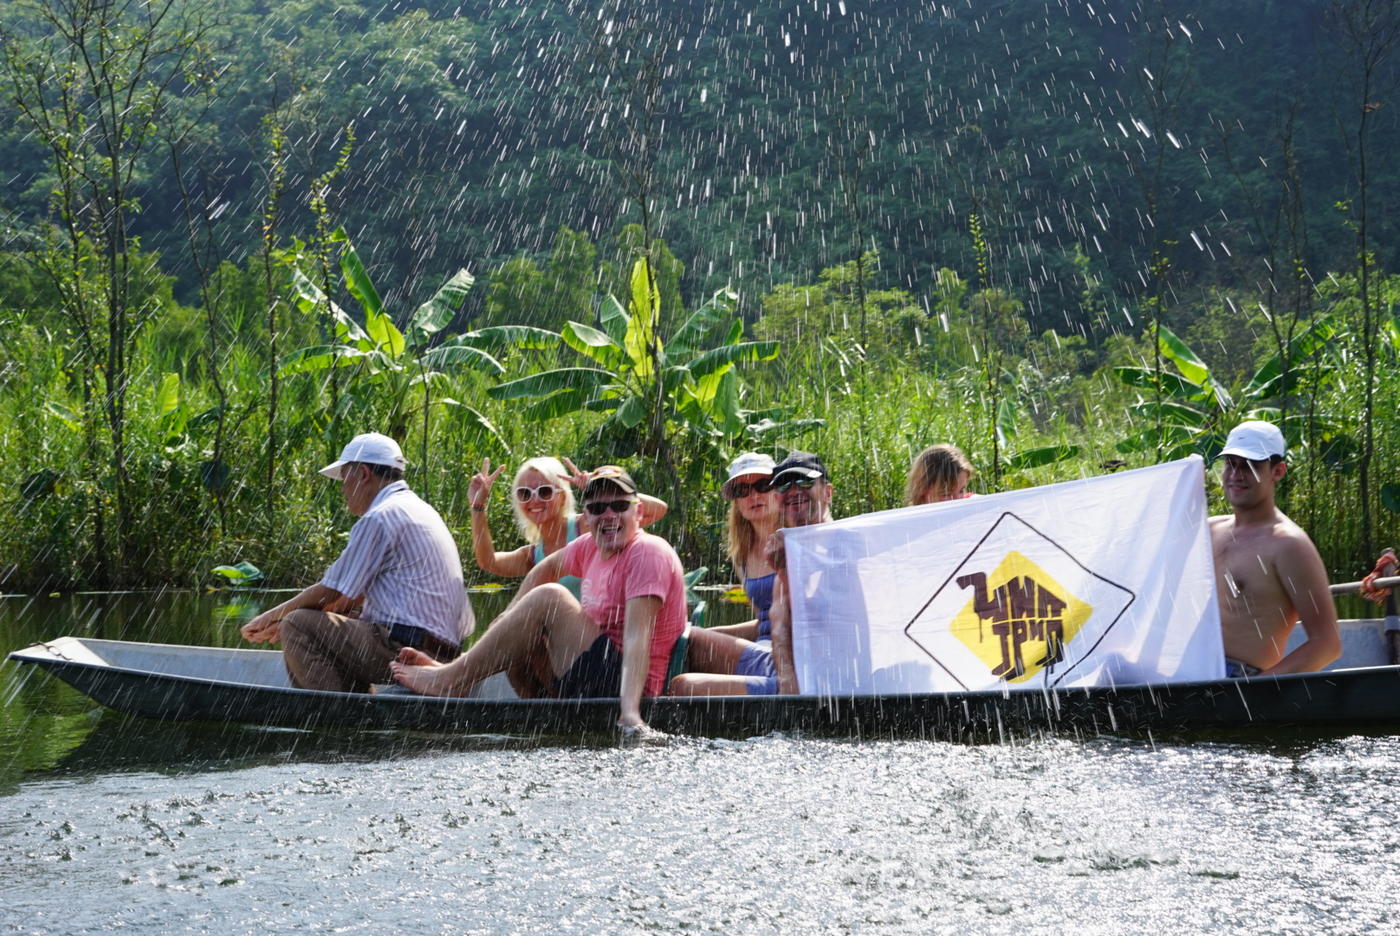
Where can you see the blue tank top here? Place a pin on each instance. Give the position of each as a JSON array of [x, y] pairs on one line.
[[572, 582], [760, 592]]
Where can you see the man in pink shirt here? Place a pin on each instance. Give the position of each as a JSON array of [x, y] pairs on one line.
[[616, 641]]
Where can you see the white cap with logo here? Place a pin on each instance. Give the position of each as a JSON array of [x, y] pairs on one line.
[[1255, 440], [372, 448]]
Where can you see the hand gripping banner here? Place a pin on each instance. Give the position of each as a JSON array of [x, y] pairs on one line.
[[1097, 582]]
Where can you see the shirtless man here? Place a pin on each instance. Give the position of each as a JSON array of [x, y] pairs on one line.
[[1268, 572]]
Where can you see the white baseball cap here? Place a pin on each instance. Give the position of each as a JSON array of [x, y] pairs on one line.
[[749, 463], [370, 447], [1255, 440]]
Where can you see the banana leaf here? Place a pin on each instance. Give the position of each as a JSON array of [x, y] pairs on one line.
[[556, 404], [1038, 457], [581, 378], [447, 355], [433, 316], [508, 336], [592, 343], [718, 359]]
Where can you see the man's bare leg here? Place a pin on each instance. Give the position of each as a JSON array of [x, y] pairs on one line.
[[709, 684], [710, 652], [549, 617]]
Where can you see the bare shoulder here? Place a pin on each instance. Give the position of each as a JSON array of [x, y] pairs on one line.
[[1292, 542], [1221, 525]]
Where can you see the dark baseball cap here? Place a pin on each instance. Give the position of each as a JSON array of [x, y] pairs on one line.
[[799, 465], [609, 476]]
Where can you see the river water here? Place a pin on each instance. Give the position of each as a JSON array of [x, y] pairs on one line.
[[109, 823]]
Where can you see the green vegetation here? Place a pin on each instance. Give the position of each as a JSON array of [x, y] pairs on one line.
[[1065, 241]]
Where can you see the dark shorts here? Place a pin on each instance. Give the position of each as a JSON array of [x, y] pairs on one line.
[[595, 674], [1237, 669]]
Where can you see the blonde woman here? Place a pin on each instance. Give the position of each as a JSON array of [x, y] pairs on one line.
[[718, 655], [939, 473], [542, 499]]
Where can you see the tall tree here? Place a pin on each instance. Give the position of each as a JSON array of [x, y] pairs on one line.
[[1369, 32], [97, 81]]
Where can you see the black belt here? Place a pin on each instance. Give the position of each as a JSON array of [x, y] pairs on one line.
[[420, 638]]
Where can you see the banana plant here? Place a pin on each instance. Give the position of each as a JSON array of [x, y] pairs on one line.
[[1191, 411], [655, 392], [400, 368]]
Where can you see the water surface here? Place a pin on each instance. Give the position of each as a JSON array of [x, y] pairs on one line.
[[108, 822]]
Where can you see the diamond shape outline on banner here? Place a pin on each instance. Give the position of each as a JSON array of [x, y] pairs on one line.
[[1060, 554]]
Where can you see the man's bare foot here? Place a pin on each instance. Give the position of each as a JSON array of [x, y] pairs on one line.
[[429, 678], [412, 657], [629, 735]]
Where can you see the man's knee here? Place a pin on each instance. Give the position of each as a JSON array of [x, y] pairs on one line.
[[303, 624], [551, 593]]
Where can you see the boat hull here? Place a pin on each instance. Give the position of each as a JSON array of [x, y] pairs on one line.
[[249, 686]]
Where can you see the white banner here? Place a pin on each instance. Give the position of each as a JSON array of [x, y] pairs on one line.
[[1097, 582]]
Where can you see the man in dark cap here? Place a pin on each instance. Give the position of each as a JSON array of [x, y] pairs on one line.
[[613, 642], [804, 498]]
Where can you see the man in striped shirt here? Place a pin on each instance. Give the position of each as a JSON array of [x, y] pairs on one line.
[[401, 560]]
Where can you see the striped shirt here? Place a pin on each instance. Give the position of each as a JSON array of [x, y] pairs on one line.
[[403, 559]]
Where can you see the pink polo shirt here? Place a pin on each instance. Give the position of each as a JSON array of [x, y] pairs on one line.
[[646, 567]]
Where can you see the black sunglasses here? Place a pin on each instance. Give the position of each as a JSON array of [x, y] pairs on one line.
[[745, 488], [799, 483], [598, 508]]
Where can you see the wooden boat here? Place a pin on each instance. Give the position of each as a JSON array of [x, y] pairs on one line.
[[250, 686]]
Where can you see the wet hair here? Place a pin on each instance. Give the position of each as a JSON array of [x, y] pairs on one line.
[[555, 473], [936, 466], [384, 472]]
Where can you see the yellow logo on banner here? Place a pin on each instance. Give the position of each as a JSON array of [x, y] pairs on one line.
[[1019, 619]]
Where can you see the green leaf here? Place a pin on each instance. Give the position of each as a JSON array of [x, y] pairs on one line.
[[64, 415], [1038, 457], [703, 320], [642, 340], [1172, 384], [1006, 420], [631, 412], [1179, 414], [1146, 440], [168, 395], [725, 407], [432, 316], [723, 357], [1268, 380], [509, 336], [555, 405], [591, 343], [451, 355], [479, 427], [356, 277], [1186, 360], [583, 379], [1390, 496], [310, 298], [614, 318], [320, 357]]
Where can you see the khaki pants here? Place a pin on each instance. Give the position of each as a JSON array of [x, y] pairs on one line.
[[336, 653]]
